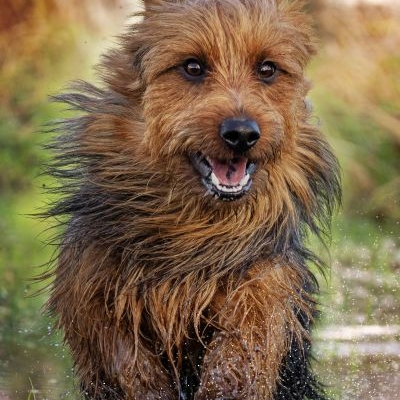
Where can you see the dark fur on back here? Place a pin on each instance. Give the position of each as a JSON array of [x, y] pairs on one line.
[[162, 290]]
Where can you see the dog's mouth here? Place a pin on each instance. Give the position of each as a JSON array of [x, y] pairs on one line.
[[226, 179]]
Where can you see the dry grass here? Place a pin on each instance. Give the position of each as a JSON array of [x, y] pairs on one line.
[[357, 95]]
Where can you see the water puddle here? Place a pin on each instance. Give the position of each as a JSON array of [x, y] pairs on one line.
[[34, 366], [359, 362], [355, 362]]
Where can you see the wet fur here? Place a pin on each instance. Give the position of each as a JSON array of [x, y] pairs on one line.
[[163, 291]]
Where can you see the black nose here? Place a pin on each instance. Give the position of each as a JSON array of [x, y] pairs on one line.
[[239, 133]]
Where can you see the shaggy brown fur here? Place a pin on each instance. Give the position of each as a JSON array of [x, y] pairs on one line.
[[164, 290]]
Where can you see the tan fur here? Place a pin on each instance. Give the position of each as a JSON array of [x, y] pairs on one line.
[[152, 271]]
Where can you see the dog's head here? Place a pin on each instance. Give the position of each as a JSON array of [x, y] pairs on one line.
[[211, 95], [224, 87], [222, 90]]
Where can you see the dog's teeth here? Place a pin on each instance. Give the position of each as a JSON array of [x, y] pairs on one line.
[[214, 179], [244, 180], [229, 189]]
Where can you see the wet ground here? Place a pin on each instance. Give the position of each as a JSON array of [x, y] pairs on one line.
[[357, 363], [356, 343], [34, 367]]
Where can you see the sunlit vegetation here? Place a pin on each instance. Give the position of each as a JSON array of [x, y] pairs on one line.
[[357, 97]]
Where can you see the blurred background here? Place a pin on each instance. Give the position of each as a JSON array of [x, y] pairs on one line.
[[356, 96]]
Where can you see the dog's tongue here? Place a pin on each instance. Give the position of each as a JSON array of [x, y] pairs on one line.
[[229, 172]]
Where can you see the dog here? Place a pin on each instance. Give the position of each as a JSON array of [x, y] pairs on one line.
[[190, 182]]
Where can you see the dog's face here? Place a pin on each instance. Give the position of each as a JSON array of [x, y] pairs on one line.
[[222, 90]]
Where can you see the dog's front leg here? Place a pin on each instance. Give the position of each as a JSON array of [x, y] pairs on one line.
[[237, 366], [147, 379], [119, 370], [255, 323]]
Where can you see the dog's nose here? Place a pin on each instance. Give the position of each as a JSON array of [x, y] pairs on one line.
[[239, 133]]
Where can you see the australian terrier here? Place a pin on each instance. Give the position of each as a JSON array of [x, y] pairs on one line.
[[190, 182]]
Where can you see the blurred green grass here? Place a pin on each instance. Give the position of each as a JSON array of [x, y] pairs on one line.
[[42, 59]]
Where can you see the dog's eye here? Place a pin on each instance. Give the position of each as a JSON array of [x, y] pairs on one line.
[[193, 68], [267, 71]]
